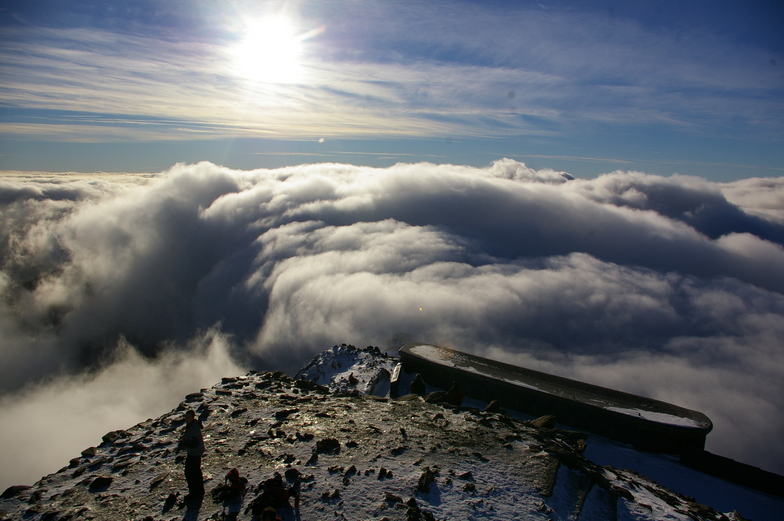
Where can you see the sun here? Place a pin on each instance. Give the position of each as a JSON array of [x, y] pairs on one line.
[[270, 51]]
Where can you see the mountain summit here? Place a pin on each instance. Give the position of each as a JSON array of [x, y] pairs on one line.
[[341, 451]]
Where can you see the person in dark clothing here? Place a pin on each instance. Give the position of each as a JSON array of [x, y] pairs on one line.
[[418, 385], [193, 443], [274, 493], [269, 514], [455, 395]]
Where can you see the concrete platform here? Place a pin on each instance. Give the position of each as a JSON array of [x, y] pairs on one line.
[[646, 423]]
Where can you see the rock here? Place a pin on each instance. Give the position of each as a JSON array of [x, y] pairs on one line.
[[287, 458], [306, 437], [328, 446], [467, 476], [37, 496], [327, 496], [389, 497], [192, 397], [98, 462], [625, 494], [570, 437], [494, 406], [134, 447], [568, 457], [425, 480], [50, 515], [311, 386], [469, 487], [279, 375], [414, 513], [437, 397], [157, 480], [113, 436], [486, 422], [14, 490], [292, 474], [123, 463], [280, 415], [101, 482], [543, 422], [171, 500], [89, 452]]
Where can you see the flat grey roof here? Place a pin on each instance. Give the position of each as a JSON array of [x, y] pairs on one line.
[[651, 410]]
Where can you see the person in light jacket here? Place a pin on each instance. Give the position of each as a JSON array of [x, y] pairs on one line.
[[193, 443]]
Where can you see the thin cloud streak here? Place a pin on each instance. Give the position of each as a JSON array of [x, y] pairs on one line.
[[670, 287], [405, 70]]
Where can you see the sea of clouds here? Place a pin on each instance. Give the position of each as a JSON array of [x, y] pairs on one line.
[[122, 293]]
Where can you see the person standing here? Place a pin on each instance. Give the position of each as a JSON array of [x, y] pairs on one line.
[[418, 385], [270, 514], [455, 395], [193, 443]]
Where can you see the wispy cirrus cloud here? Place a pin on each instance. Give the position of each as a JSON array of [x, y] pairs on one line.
[[380, 70]]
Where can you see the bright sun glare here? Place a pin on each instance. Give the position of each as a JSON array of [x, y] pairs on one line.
[[271, 51]]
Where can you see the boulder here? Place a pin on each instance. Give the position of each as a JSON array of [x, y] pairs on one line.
[[468, 476], [328, 446], [392, 498], [113, 436], [428, 476], [14, 490], [543, 422], [192, 397], [89, 452], [101, 483], [437, 397], [494, 406]]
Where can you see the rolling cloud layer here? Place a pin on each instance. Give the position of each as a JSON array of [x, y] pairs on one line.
[[121, 293]]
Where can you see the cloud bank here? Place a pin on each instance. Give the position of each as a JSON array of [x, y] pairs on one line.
[[667, 287]]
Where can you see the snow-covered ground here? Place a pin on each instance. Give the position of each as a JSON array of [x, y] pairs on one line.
[[336, 364], [482, 465]]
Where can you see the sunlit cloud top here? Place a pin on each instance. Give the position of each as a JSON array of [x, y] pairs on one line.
[[570, 78], [668, 287]]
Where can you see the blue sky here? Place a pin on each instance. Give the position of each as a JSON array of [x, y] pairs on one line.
[[586, 87]]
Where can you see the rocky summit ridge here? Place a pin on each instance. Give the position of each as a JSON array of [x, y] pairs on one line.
[[353, 455]]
